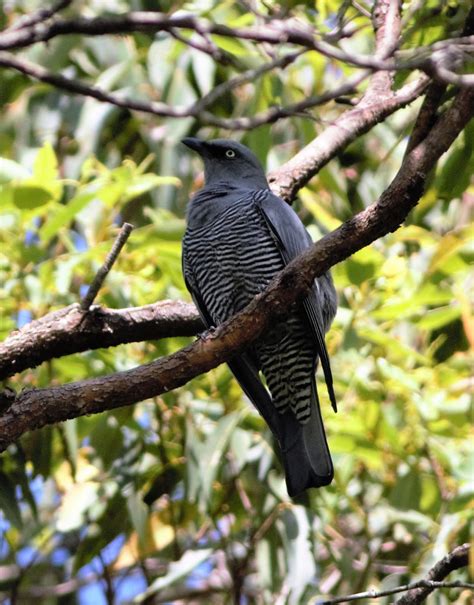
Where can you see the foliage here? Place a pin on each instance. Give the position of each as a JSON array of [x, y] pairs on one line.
[[192, 478]]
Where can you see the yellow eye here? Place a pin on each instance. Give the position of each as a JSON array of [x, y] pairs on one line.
[[230, 153]]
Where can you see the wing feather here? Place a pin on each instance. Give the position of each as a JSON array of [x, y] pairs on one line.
[[293, 239]]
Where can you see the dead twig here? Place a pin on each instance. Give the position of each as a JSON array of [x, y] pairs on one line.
[[102, 273]]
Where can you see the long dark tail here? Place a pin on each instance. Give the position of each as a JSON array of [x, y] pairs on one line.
[[304, 449]]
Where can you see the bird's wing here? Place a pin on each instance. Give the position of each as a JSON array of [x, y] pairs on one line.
[[241, 365], [292, 239]]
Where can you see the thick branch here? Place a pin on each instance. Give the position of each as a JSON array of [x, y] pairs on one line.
[[70, 330], [289, 178], [35, 408], [428, 113]]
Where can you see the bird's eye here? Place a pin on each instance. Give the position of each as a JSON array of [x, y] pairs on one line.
[[230, 153]]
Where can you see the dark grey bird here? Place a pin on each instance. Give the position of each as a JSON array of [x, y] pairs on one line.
[[239, 235]]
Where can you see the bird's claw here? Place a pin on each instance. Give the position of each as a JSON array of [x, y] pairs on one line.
[[206, 335]]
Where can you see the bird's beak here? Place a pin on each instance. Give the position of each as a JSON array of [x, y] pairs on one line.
[[194, 144]]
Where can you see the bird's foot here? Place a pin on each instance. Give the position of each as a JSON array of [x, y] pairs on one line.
[[207, 334]]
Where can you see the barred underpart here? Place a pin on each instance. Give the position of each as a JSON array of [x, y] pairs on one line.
[[229, 261]]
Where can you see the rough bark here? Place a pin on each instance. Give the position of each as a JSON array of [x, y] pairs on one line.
[[71, 330]]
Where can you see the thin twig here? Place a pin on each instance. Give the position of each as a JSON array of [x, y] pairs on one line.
[[206, 47], [243, 78], [43, 75], [41, 15], [106, 267], [374, 594]]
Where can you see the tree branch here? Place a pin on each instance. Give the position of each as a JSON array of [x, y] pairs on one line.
[[275, 32], [41, 15], [292, 176], [35, 408], [457, 558], [427, 115], [197, 109], [69, 331], [419, 590], [429, 585], [386, 19]]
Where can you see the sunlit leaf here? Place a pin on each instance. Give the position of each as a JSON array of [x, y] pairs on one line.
[[29, 196], [177, 571]]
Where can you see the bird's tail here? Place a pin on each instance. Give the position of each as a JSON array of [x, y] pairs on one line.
[[304, 449]]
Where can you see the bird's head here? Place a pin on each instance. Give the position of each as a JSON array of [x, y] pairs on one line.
[[228, 162]]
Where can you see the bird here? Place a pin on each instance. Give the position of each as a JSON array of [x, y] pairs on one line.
[[238, 236]]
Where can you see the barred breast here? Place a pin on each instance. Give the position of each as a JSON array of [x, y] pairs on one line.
[[229, 261]]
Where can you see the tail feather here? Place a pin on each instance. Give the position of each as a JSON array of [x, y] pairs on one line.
[[305, 451]]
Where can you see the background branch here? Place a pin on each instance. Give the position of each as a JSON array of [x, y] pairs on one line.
[[41, 15], [197, 109], [375, 594], [275, 32]]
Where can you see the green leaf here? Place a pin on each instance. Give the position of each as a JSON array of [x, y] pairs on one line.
[[30, 196], [138, 512], [8, 501], [64, 215], [363, 265], [214, 449], [45, 167], [448, 246], [230, 45], [394, 346], [439, 317], [456, 173], [177, 571], [406, 493], [147, 182]]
